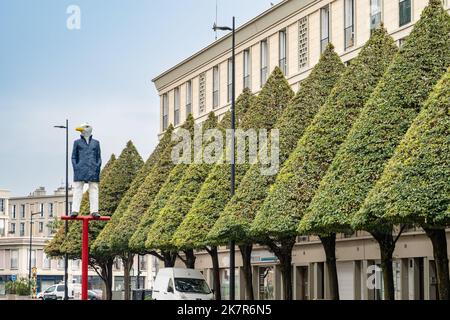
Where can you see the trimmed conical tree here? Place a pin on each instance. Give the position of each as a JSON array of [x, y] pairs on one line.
[[113, 186], [179, 203], [299, 178], [215, 191], [390, 111], [102, 242], [54, 247], [415, 185], [128, 222], [235, 220]]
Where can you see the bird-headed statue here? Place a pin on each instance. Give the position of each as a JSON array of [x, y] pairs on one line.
[[86, 162]]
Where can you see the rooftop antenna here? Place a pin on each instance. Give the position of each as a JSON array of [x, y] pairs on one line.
[[216, 16]]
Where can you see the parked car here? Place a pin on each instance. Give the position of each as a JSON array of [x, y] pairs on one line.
[[56, 292], [181, 284]]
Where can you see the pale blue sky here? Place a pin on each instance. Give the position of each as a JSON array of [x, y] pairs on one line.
[[100, 74]]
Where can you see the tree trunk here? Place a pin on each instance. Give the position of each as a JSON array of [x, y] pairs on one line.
[[329, 246], [246, 252], [190, 258], [127, 262], [169, 258], [107, 278], [284, 255], [439, 242], [216, 275], [387, 246]]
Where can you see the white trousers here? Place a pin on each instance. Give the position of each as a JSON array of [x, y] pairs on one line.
[[78, 195]]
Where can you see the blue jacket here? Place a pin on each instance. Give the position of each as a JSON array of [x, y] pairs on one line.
[[86, 160]]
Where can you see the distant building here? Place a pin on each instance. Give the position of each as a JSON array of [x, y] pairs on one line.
[[15, 224]]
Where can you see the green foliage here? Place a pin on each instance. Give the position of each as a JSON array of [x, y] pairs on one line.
[[103, 241], [21, 287], [180, 201], [421, 61], [113, 185], [415, 185], [147, 191], [299, 178], [235, 220], [55, 248], [137, 241], [215, 192]]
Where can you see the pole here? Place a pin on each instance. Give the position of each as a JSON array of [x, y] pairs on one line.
[[233, 165], [31, 244], [85, 250], [66, 259], [84, 260]]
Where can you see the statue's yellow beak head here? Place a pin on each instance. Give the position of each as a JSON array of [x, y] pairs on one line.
[[80, 129]]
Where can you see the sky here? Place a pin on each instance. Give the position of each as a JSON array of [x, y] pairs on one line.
[[100, 74]]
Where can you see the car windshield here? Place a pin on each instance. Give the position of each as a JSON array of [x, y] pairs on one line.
[[189, 285], [50, 289]]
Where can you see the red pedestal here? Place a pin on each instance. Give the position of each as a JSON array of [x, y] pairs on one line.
[[85, 250]]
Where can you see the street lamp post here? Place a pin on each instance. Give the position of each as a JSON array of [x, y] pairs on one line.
[[31, 244], [66, 259], [233, 128]]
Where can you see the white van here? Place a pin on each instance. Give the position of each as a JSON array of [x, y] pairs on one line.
[[56, 292], [181, 284]]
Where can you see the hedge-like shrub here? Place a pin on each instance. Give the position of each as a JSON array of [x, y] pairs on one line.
[[215, 192], [300, 176], [103, 241], [180, 201], [415, 185], [420, 63], [145, 195], [235, 220]]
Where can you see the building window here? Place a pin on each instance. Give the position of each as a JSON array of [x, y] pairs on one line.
[[2, 205], [404, 12], [50, 210], [41, 210], [165, 107], [282, 48], [2, 227], [247, 67], [46, 263], [188, 98], [142, 262], [13, 211], [70, 206], [215, 86], [401, 42], [22, 229], [349, 25], [202, 92], [41, 227], [303, 42], [14, 259], [264, 62], [229, 79], [33, 257], [22, 211], [176, 115], [75, 265], [60, 265], [324, 27], [13, 228], [375, 14]]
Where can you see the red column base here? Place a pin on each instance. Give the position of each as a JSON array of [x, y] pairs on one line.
[[85, 249]]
